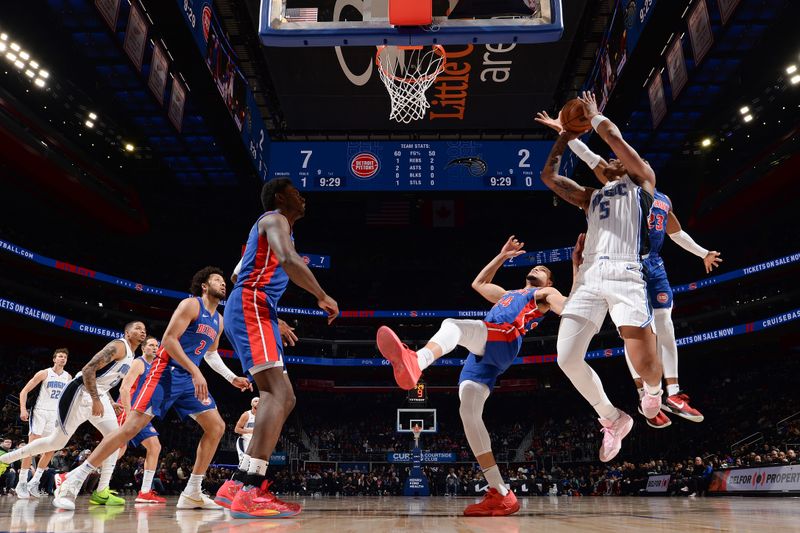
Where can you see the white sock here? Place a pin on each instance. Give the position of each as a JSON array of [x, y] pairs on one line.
[[495, 480], [147, 480], [194, 485], [244, 464], [79, 475], [673, 389], [23, 479], [652, 390], [640, 390], [258, 467], [425, 358], [37, 476]]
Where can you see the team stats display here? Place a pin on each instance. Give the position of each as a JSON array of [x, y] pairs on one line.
[[410, 165]]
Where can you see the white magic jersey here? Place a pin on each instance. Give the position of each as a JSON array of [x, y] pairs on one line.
[[617, 220], [50, 390], [251, 423], [113, 372]]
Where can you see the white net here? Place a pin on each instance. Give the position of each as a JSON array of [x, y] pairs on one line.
[[407, 73]]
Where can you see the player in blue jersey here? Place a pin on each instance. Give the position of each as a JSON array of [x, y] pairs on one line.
[[175, 381], [661, 222], [268, 263], [493, 344]]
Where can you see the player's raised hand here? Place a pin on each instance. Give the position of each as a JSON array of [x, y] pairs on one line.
[[512, 248], [287, 333], [243, 384], [200, 385], [711, 261], [577, 252], [553, 123], [330, 306], [589, 104]]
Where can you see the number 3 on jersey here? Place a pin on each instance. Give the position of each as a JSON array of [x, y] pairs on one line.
[[656, 221]]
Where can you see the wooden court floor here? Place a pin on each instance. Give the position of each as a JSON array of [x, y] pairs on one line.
[[385, 515]]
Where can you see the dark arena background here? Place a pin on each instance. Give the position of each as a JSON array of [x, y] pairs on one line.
[[136, 136]]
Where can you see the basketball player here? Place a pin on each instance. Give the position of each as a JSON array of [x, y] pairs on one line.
[[244, 427], [268, 263], [51, 383], [174, 380], [86, 399], [661, 220], [147, 437], [493, 344], [611, 278]]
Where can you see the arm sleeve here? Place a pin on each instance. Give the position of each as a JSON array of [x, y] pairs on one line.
[[683, 240], [215, 362], [584, 153]]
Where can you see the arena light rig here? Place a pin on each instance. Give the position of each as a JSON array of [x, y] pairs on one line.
[[22, 60]]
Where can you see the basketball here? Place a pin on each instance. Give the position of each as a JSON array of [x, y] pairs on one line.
[[572, 117]]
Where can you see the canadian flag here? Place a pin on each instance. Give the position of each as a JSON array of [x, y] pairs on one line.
[[446, 213]]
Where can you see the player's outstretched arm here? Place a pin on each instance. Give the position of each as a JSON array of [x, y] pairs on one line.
[[710, 258], [278, 234], [638, 169], [186, 312], [113, 351], [592, 160], [37, 378], [240, 429], [565, 188], [136, 370], [483, 282]]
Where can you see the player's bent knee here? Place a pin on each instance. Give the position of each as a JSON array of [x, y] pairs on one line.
[[290, 402]]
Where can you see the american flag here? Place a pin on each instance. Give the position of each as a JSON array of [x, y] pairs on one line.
[[389, 213], [301, 14]]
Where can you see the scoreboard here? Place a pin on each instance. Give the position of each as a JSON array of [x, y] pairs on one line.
[[410, 165]]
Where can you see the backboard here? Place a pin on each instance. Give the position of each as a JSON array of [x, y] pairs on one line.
[[408, 418], [298, 23]]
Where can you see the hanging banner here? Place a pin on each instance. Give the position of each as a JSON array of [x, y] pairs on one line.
[[159, 67], [177, 101], [658, 104], [726, 9], [109, 9], [699, 26], [136, 36], [676, 67]]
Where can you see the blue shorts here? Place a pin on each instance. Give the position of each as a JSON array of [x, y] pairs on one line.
[[497, 357], [146, 432], [658, 288], [165, 387], [251, 325]]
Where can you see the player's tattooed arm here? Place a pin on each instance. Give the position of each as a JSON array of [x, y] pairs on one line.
[[564, 187], [113, 350]]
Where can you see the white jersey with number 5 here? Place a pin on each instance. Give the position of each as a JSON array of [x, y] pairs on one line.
[[50, 390], [617, 220], [111, 374]]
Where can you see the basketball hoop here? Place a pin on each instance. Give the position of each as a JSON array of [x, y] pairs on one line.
[[416, 430], [408, 72]]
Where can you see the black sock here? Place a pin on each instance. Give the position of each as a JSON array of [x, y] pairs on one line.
[[255, 480], [240, 475]]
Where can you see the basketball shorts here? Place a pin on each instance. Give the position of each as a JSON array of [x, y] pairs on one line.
[[75, 408], [167, 387], [503, 343], [251, 325], [611, 286], [146, 432], [241, 446], [42, 422], [658, 288]]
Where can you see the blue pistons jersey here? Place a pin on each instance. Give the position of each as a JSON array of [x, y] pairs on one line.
[[657, 222], [198, 337], [658, 289]]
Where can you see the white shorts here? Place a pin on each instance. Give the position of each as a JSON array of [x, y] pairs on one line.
[[42, 422], [241, 446], [75, 408], [616, 287]]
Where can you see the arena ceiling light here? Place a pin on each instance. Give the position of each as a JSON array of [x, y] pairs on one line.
[[129, 147], [705, 143], [744, 110], [748, 118], [791, 69], [22, 60], [92, 116], [89, 124], [794, 80]]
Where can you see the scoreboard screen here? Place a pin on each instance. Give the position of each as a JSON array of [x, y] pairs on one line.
[[418, 396], [410, 165]]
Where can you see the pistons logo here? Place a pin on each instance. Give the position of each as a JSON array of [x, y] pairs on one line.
[[138, 287], [608, 353], [306, 259], [692, 286], [364, 165], [662, 297]]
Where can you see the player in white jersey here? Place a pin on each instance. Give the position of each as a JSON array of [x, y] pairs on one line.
[[86, 399], [51, 383], [610, 280], [244, 427]]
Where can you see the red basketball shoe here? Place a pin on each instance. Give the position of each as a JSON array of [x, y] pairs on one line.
[[149, 497], [494, 504], [227, 492], [403, 359], [660, 421], [678, 404], [259, 502]]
